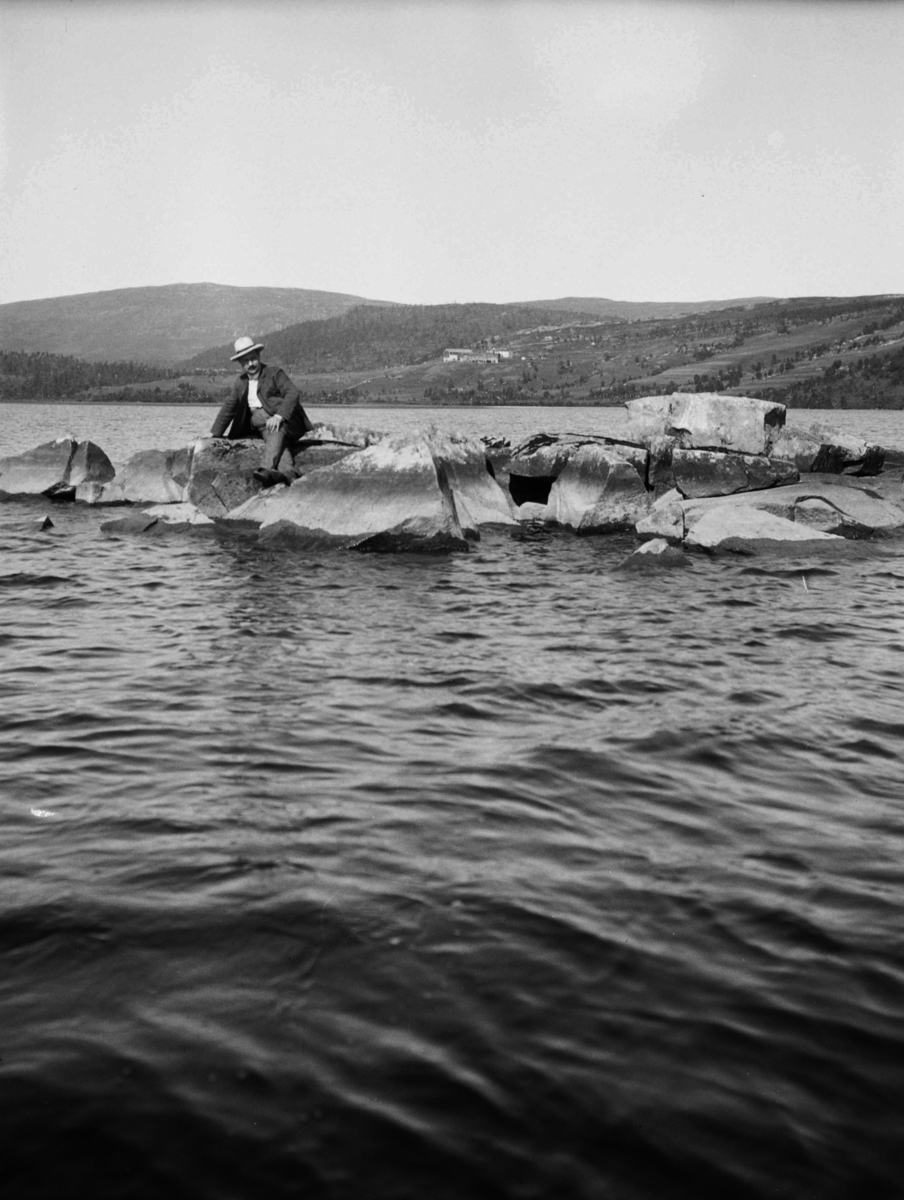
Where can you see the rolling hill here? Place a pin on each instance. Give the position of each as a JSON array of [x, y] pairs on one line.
[[176, 322], [159, 324], [816, 351]]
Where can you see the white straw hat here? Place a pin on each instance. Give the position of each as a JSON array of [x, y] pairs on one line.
[[244, 346]]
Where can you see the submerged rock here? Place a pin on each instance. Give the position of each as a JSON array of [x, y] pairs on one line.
[[133, 523], [184, 513], [655, 553]]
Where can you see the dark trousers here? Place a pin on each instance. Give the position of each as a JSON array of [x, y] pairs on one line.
[[276, 442]]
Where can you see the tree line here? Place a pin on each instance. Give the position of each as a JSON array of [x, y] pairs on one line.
[[42, 376]]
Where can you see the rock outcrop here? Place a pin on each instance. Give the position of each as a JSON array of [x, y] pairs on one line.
[[698, 471]]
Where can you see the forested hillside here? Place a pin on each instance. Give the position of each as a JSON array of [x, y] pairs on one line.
[[61, 377], [53, 376], [404, 334], [816, 352]]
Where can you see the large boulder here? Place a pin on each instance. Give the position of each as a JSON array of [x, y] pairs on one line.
[[706, 421], [820, 447], [479, 500], [713, 473], [222, 474], [599, 491], [89, 465], [392, 494], [54, 466]]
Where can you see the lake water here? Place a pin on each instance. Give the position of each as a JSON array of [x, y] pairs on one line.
[[507, 874]]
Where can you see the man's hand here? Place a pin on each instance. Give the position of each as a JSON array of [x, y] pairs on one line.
[[274, 422]]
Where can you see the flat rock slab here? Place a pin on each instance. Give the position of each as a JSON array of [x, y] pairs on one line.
[[730, 528], [707, 421], [814, 507], [183, 513], [132, 524]]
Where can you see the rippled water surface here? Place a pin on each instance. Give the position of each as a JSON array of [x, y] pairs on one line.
[[504, 874]]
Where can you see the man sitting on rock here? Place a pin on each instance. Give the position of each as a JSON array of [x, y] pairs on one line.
[[265, 403]]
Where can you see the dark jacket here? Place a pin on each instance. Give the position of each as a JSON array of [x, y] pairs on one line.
[[277, 394]]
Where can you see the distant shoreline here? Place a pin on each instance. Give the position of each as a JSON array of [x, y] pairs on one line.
[[312, 402]]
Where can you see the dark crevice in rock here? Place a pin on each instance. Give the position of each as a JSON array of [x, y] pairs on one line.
[[534, 489]]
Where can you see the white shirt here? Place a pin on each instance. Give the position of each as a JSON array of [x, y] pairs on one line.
[[253, 401]]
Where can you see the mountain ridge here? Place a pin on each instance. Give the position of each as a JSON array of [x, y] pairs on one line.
[[162, 324], [172, 323]]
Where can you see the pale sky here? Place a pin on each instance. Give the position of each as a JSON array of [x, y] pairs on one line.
[[431, 152]]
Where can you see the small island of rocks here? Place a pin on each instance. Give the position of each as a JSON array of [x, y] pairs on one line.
[[695, 471]]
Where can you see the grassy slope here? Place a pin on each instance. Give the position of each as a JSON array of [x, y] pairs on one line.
[[158, 324]]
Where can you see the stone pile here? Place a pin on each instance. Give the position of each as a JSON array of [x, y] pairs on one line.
[[694, 470]]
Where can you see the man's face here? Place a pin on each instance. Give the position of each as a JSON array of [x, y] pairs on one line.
[[251, 363]]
